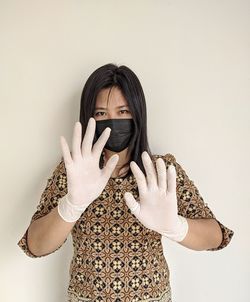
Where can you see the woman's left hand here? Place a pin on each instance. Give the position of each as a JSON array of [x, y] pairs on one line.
[[157, 207]]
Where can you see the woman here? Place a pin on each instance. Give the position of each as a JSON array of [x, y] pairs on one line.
[[117, 200]]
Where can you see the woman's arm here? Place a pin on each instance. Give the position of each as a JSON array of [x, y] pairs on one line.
[[48, 233], [202, 234]]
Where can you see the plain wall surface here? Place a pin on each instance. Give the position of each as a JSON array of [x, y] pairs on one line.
[[192, 58]]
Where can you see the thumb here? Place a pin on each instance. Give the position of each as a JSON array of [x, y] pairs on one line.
[[133, 205], [110, 166]]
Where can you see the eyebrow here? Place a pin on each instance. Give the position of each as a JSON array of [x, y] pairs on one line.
[[97, 108]]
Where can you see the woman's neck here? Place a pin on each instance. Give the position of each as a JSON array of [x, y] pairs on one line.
[[123, 159]]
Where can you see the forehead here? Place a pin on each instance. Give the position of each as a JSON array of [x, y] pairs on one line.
[[114, 95]]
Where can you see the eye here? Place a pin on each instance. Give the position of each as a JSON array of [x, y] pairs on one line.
[[124, 111], [97, 113]]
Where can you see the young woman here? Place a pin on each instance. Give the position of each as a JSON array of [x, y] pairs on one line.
[[117, 200]]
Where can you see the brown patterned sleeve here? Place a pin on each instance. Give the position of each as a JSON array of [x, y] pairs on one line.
[[55, 189], [190, 202]]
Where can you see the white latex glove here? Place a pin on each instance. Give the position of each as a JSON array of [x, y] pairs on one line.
[[85, 180], [157, 207]]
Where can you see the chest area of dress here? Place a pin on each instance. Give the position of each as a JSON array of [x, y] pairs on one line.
[[108, 221]]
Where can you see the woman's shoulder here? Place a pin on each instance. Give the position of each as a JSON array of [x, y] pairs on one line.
[[167, 157], [60, 167]]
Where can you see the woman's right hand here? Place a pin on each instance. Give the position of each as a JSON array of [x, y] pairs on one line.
[[85, 180]]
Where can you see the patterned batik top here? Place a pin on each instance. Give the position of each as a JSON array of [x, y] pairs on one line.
[[116, 258]]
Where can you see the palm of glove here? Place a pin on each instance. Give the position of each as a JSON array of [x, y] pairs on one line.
[[85, 180], [157, 205]]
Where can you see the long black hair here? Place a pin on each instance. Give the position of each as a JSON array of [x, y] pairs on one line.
[[108, 76]]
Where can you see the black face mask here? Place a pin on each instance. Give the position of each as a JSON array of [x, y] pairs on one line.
[[120, 135]]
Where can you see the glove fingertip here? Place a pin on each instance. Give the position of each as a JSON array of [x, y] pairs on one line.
[[127, 195], [131, 202]]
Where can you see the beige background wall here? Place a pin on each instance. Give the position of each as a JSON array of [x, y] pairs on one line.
[[192, 58]]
